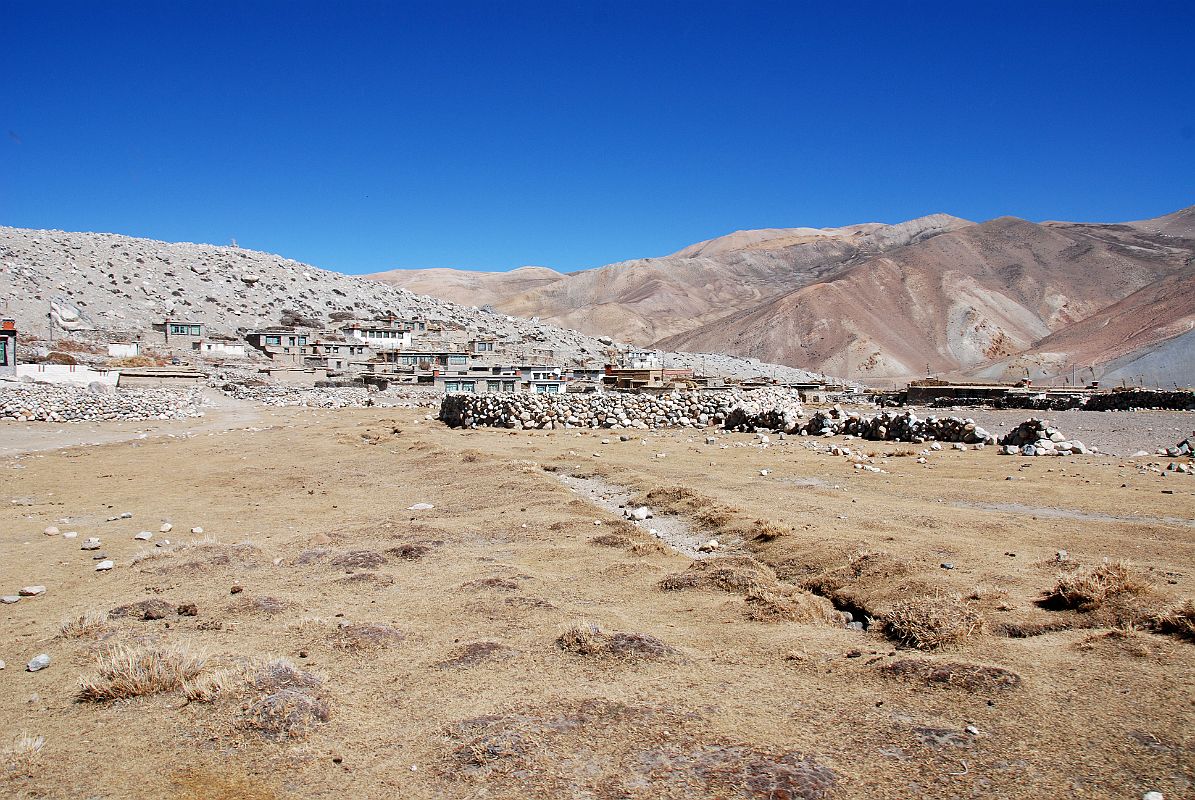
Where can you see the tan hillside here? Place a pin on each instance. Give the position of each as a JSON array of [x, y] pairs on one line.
[[468, 287], [968, 297]]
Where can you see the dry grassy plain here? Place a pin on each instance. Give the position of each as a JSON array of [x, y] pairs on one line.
[[420, 652]]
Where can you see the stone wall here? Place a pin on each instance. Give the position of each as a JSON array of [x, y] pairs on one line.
[[32, 402]]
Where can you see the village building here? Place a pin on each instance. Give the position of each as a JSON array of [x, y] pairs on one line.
[[281, 345], [380, 335], [180, 332], [124, 349], [8, 347], [334, 355], [211, 347], [484, 346], [631, 378]]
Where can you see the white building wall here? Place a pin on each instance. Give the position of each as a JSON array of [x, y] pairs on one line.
[[124, 350], [68, 373]]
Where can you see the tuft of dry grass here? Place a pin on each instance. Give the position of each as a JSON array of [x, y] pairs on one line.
[[1089, 588], [971, 677], [207, 687], [1180, 621], [126, 671], [931, 621], [89, 623], [799, 606], [277, 674], [364, 637], [588, 639], [287, 714], [25, 747], [728, 573]]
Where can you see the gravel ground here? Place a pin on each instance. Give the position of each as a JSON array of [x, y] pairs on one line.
[[1120, 433]]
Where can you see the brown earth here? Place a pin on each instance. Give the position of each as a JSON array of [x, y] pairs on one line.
[[488, 648]]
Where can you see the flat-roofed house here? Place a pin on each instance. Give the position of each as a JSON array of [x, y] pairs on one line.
[[8, 347]]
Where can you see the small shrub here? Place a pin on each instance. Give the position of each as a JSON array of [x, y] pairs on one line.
[[1088, 588], [25, 747], [931, 621], [135, 671], [89, 623], [610, 540], [1178, 622]]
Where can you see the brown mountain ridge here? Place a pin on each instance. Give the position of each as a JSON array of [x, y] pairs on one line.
[[1003, 298]]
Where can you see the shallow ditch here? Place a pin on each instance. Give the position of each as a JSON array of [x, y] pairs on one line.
[[670, 529]]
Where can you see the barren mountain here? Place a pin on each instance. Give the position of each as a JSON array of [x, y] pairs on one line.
[[467, 287], [648, 299], [972, 296], [881, 301]]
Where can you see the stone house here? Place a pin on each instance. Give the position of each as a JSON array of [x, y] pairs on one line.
[[180, 332], [8, 347]]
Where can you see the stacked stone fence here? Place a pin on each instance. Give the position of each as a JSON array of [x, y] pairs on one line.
[[32, 402]]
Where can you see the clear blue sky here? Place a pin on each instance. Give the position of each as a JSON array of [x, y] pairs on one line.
[[365, 136]]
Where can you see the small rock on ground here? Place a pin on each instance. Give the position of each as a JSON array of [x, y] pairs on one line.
[[38, 662]]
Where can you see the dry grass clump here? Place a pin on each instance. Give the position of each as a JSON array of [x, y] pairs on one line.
[[764, 531], [588, 639], [409, 551], [89, 623], [365, 637], [376, 579], [286, 714], [799, 606], [358, 559], [26, 745], [260, 604], [502, 584], [931, 621], [207, 687], [1089, 588], [863, 565], [126, 671], [474, 653], [1180, 621], [282, 673], [728, 573], [610, 540], [150, 609], [972, 677]]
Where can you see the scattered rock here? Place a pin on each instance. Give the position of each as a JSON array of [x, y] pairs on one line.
[[166, 528], [9, 599], [38, 662], [104, 566], [31, 591], [51, 531], [420, 507], [144, 536], [91, 543]]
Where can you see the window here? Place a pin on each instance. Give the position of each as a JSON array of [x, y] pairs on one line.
[[411, 360], [274, 340], [547, 388], [184, 330], [484, 347], [508, 386], [4, 352], [493, 386], [452, 386], [456, 360], [468, 386]]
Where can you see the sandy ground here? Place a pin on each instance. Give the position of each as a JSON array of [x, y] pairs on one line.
[[429, 638]]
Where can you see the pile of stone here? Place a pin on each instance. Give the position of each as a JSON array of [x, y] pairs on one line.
[[1036, 437], [35, 402], [687, 409], [332, 397], [1183, 448], [906, 427]]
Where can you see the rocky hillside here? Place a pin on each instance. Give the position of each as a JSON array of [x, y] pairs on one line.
[[469, 287], [120, 284], [878, 302]]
